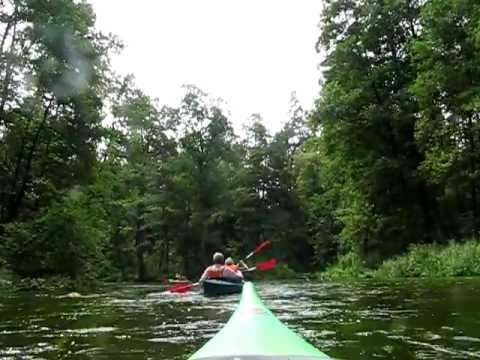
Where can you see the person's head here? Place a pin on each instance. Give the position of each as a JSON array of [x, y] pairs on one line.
[[229, 261], [218, 258]]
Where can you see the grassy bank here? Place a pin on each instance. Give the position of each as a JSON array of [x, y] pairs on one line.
[[349, 266], [454, 259]]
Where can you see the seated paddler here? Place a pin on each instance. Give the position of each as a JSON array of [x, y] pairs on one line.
[[232, 271], [216, 270]]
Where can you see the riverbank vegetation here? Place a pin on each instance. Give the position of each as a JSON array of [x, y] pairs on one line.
[[420, 261], [434, 261], [99, 181]]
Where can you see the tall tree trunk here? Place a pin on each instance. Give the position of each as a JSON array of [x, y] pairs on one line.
[[167, 256], [13, 180], [5, 34], [167, 245], [8, 77], [473, 194], [11, 22], [16, 199], [473, 180], [426, 208], [140, 244]]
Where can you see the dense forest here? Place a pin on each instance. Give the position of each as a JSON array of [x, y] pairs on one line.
[[99, 181]]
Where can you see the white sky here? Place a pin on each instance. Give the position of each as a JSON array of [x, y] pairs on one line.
[[251, 53]]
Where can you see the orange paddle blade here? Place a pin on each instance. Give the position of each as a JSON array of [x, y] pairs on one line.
[[259, 248], [266, 265], [181, 288], [262, 246]]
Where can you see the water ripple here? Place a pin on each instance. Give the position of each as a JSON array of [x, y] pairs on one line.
[[366, 320]]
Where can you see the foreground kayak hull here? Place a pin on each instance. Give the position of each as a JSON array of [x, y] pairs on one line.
[[254, 333], [220, 287]]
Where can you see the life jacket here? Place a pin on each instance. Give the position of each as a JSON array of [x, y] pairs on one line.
[[215, 272], [232, 273], [232, 268]]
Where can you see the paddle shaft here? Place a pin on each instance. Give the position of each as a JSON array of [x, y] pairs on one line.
[[263, 266], [259, 248]]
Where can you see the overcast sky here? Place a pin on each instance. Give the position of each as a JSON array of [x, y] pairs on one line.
[[251, 53]]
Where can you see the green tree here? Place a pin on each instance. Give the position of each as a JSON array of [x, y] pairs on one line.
[[53, 70], [147, 147], [252, 184], [286, 213], [53, 66], [447, 55], [198, 177], [366, 117]]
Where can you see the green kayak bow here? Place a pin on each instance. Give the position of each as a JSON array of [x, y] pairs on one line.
[[254, 333]]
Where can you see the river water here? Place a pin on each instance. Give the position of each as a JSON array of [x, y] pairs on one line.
[[408, 319]]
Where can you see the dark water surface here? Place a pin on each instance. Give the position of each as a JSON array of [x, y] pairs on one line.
[[408, 319]]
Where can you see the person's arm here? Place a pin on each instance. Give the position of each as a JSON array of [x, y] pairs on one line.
[[204, 276], [245, 267], [242, 266]]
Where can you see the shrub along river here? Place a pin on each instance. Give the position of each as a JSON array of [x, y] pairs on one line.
[[405, 319]]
